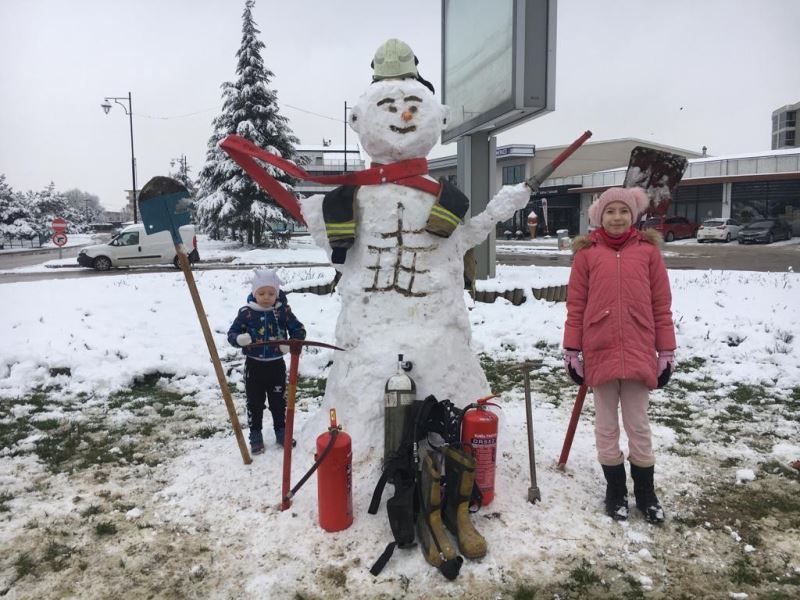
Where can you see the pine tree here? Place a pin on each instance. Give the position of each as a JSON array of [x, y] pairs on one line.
[[45, 206], [228, 200], [15, 221]]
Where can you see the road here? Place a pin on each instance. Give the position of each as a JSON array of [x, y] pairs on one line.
[[27, 258], [778, 257]]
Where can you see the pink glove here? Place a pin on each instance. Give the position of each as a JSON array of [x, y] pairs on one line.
[[574, 365], [666, 358], [665, 367]]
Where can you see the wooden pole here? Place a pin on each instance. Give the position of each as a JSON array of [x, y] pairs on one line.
[[289, 430], [212, 351]]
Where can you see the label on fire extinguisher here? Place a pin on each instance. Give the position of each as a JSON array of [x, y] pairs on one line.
[[484, 448]]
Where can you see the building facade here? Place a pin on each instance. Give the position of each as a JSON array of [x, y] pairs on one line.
[[557, 204], [325, 159], [742, 187], [784, 126]]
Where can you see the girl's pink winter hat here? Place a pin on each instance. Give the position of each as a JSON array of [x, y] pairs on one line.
[[634, 197]]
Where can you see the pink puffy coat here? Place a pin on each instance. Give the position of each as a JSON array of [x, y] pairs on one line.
[[618, 308]]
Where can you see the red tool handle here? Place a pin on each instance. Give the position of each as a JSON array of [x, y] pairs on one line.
[[537, 180], [573, 424]]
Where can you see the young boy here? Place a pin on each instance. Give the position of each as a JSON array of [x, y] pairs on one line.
[[266, 316]]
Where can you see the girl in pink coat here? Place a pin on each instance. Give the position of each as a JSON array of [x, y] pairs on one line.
[[619, 340]]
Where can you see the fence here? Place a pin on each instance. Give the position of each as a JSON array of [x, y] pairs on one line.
[[11, 242]]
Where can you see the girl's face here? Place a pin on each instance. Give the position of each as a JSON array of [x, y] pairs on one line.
[[266, 296], [617, 218]]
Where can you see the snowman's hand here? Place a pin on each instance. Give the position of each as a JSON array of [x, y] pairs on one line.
[[510, 198], [311, 208]]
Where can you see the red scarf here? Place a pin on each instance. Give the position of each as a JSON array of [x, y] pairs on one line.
[[406, 172], [615, 242]]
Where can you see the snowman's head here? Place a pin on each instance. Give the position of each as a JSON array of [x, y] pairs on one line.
[[397, 119]]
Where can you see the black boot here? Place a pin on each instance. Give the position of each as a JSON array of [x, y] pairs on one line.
[[645, 493], [616, 492]]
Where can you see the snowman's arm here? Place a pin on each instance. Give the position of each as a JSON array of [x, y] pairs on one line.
[[311, 208], [510, 198]]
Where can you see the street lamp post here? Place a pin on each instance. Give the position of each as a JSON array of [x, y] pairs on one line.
[[106, 106]]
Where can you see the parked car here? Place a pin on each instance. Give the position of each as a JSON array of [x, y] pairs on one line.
[[767, 231], [723, 230], [671, 228], [133, 246]]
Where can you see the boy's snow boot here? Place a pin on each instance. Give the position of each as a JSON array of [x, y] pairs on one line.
[[616, 492], [256, 442], [459, 472], [645, 493], [280, 434], [436, 546]]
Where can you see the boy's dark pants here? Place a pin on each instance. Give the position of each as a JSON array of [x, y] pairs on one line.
[[265, 380]]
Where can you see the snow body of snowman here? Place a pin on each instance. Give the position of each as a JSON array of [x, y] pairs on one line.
[[401, 288]]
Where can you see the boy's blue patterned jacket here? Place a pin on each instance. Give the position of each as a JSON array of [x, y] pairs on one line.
[[274, 323]]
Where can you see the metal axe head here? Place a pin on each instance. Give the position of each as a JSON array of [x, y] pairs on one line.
[[164, 204]]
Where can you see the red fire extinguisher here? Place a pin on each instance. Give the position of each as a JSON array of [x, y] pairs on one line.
[[479, 436], [335, 478]]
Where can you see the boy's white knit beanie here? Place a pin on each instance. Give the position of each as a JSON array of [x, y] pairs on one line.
[[265, 277]]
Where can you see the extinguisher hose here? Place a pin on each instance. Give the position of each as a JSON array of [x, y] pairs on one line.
[[315, 466]]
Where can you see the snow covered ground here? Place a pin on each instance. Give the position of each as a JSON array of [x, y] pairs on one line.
[[119, 473]]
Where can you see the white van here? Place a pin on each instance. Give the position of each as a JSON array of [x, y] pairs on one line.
[[132, 247]]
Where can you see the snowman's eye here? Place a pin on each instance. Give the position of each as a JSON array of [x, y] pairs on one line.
[[392, 109], [412, 109]]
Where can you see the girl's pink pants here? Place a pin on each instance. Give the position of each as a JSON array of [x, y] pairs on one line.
[[633, 397]]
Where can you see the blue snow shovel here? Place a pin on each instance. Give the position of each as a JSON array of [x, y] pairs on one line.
[[164, 206]]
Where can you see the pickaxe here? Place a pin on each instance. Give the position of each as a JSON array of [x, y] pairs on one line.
[[295, 347]]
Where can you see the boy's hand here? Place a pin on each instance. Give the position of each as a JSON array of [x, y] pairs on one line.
[[284, 348], [574, 365], [244, 339]]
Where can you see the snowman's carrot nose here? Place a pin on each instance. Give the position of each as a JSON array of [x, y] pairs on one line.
[[407, 115]]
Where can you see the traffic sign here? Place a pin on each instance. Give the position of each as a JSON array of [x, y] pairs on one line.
[[59, 225], [59, 239]]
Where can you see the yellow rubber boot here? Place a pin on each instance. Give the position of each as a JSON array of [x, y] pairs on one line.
[[459, 469], [436, 546]]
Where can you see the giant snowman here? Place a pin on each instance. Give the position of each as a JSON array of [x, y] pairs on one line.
[[401, 287]]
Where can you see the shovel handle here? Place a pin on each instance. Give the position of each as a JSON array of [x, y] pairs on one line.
[[573, 424]]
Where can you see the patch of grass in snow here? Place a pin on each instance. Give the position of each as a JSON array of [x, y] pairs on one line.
[[743, 573], [753, 395], [503, 375], [524, 592], [205, 432], [57, 555], [311, 387], [687, 365], [506, 375], [675, 415], [5, 497], [634, 591], [583, 578], [105, 528], [24, 565]]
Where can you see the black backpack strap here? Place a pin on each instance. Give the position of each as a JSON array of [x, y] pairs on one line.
[[376, 495], [383, 559]]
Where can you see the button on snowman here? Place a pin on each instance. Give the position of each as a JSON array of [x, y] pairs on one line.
[[401, 286]]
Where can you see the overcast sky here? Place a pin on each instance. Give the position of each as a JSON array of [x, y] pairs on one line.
[[686, 73]]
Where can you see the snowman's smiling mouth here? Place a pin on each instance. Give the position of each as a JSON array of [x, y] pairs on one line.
[[403, 129]]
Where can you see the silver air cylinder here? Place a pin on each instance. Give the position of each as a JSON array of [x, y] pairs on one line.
[[401, 391]]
